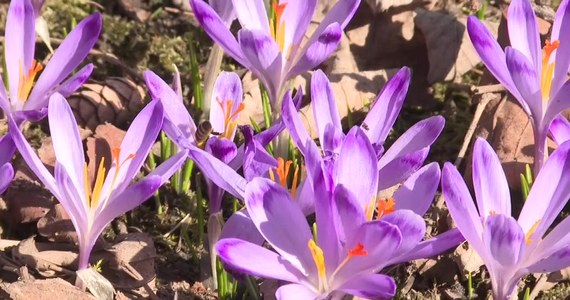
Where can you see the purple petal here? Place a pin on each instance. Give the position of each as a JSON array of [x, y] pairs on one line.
[[31, 158], [431, 247], [240, 226], [296, 18], [556, 105], [559, 130], [66, 58], [418, 191], [357, 160], [74, 82], [523, 31], [325, 111], [143, 189], [491, 187], [294, 125], [222, 149], [341, 13], [305, 197], [138, 140], [264, 57], [492, 55], [177, 117], [387, 106], [401, 168], [225, 10], [370, 286], [562, 54], [227, 88], [557, 261], [549, 193], [419, 136], [256, 260], [461, 207], [6, 175], [251, 14], [7, 149], [526, 80], [554, 241], [215, 196], [217, 30], [295, 291], [350, 211], [221, 174], [74, 203], [4, 102], [317, 50], [280, 221], [67, 143], [20, 42], [504, 238], [380, 240], [411, 225], [256, 160]]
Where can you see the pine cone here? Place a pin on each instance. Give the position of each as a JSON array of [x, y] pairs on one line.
[[116, 100]]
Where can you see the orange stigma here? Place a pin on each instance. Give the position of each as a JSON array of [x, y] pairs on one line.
[[385, 206], [277, 25], [26, 81], [358, 250], [230, 123], [547, 68], [282, 170]]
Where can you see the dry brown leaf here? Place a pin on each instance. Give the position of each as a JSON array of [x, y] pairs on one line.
[[48, 259], [467, 259], [449, 48], [56, 226], [26, 202], [117, 101]]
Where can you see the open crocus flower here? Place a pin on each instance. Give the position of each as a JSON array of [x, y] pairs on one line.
[[316, 269], [271, 47], [537, 79], [92, 208], [509, 247], [26, 97], [405, 156]]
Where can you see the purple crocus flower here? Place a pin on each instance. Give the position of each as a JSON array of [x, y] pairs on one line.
[[271, 49], [537, 79], [509, 247], [24, 99], [405, 156], [91, 209], [316, 269]]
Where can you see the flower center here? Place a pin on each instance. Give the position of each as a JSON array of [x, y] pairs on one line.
[[229, 116], [547, 68], [384, 206], [26, 81], [282, 170], [277, 25], [93, 196]]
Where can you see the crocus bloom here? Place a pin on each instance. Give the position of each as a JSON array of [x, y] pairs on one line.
[[26, 97], [91, 209], [271, 48], [537, 79], [316, 270], [509, 247]]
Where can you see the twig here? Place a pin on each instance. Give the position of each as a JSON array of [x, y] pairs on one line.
[[485, 99], [176, 226], [477, 90]]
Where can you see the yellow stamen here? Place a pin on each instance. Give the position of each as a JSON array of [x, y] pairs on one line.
[[278, 26], [531, 232], [26, 81], [319, 259], [229, 123], [369, 209], [295, 181], [385, 206], [98, 184], [547, 68]]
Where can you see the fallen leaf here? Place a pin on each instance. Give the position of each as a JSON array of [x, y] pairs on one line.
[[54, 288]]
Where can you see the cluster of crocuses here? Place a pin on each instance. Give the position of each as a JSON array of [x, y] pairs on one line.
[[360, 229]]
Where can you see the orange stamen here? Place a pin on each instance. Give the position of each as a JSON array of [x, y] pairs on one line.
[[229, 123], [527, 236], [547, 68], [385, 206], [26, 81], [277, 26], [283, 168]]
